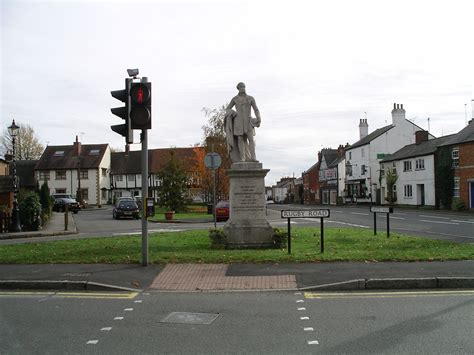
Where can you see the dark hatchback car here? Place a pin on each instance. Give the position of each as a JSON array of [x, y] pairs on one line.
[[222, 211], [60, 204], [126, 208]]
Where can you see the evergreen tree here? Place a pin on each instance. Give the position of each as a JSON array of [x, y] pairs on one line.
[[174, 180]]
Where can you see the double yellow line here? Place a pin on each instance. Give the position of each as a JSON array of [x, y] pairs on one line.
[[94, 295], [388, 294]]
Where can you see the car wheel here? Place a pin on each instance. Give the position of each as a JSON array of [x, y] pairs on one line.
[[75, 212]]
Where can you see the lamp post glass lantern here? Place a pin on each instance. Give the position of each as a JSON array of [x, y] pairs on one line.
[[15, 222]]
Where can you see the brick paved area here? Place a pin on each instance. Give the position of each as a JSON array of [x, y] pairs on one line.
[[191, 277]]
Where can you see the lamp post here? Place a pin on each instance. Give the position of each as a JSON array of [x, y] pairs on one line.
[[15, 222]]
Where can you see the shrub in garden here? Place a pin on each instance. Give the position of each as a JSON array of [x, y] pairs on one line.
[[30, 211], [457, 204]]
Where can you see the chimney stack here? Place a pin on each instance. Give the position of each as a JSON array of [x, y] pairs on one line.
[[363, 128], [421, 136], [398, 114], [77, 147]]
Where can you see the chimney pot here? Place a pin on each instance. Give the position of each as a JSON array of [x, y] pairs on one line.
[[394, 106]]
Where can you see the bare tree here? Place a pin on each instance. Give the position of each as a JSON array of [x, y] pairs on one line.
[[27, 145]]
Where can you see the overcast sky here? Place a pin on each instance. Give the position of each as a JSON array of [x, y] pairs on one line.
[[314, 67]]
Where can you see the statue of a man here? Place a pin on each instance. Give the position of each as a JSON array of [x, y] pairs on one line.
[[239, 126]]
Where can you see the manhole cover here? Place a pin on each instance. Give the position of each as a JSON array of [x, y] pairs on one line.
[[190, 318]]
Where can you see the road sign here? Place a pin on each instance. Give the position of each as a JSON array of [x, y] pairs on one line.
[[375, 209], [320, 213], [212, 161]]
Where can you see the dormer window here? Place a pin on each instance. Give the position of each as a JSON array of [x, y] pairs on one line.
[[94, 152], [58, 153]]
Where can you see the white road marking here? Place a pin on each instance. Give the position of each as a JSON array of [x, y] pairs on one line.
[[300, 301], [360, 213], [348, 224], [302, 309], [332, 211], [297, 293], [138, 301], [403, 214], [107, 329], [455, 220], [304, 318], [308, 329], [439, 222], [93, 342], [118, 318], [128, 309], [428, 216], [313, 342]]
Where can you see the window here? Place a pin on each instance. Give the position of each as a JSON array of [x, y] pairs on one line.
[[60, 175], [382, 170], [44, 175], [118, 178], [60, 191], [350, 155], [84, 175], [455, 156], [362, 153], [407, 165], [420, 164], [85, 194], [58, 153], [118, 193], [94, 152], [456, 188], [362, 170], [104, 172], [408, 191], [131, 177]]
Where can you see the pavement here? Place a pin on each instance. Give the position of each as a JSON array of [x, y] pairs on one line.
[[328, 276]]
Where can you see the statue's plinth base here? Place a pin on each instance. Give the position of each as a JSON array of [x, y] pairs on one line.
[[248, 226]]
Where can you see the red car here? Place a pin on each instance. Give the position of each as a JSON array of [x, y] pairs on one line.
[[222, 211]]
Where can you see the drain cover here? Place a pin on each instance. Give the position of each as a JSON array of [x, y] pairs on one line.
[[190, 318]]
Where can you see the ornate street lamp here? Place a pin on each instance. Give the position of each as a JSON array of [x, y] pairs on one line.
[[15, 222]]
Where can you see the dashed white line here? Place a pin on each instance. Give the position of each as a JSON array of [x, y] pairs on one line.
[[455, 220], [313, 342], [308, 329], [92, 342], [304, 318], [360, 213], [439, 222], [118, 318], [427, 216], [128, 309], [106, 329], [298, 293], [300, 301], [302, 309], [138, 301]]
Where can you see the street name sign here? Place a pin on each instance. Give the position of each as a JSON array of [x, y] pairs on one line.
[[374, 209], [321, 213]]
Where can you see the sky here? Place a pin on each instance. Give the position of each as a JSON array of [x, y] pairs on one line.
[[315, 68]]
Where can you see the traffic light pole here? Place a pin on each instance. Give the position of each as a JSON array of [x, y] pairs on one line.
[[144, 139]]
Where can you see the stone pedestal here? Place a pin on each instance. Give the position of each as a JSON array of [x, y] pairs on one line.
[[248, 226]]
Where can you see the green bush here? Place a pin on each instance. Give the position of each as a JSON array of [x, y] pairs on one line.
[[457, 204], [280, 238], [30, 211], [46, 201], [218, 238]]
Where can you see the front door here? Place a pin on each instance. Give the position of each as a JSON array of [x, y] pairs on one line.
[[471, 195]]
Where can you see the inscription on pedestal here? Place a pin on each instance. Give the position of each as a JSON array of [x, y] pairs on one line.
[[247, 198]]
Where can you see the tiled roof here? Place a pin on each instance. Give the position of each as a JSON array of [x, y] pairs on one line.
[[53, 159], [130, 163], [463, 136], [417, 150], [25, 170], [371, 137]]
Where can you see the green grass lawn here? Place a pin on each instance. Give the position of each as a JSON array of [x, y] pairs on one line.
[[195, 247], [194, 212]]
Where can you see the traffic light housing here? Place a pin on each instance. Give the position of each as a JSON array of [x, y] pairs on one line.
[[124, 129], [140, 105]]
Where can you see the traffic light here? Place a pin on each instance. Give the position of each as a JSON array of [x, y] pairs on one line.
[[124, 129], [140, 105]]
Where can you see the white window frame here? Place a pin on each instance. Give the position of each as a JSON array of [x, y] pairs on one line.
[[457, 188], [420, 164], [84, 175], [60, 173], [408, 191], [118, 178], [455, 157], [407, 165]]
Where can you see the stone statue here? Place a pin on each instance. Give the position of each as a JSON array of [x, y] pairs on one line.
[[240, 126]]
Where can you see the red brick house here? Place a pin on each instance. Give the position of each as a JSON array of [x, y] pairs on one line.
[[462, 152], [311, 185]]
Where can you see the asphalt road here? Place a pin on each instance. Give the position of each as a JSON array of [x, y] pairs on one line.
[[426, 322]]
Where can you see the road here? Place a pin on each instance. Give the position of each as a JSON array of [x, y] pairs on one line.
[[428, 322]]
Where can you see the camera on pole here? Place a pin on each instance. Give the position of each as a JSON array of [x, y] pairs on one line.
[[124, 129]]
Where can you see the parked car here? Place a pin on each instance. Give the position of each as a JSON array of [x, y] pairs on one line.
[[60, 204], [126, 208], [222, 211]]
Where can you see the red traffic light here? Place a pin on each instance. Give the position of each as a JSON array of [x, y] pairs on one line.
[[140, 93]]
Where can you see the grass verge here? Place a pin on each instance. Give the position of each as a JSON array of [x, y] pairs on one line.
[[194, 212], [340, 244]]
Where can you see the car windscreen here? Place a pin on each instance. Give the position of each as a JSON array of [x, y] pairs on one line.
[[127, 204]]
